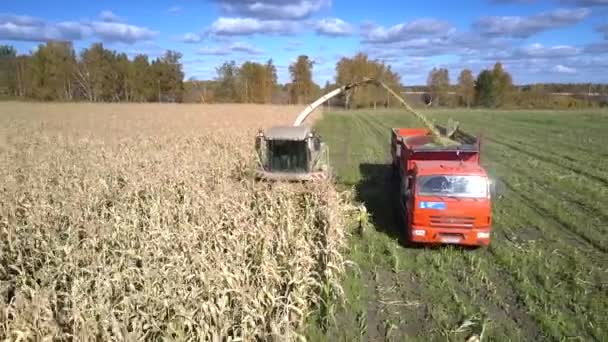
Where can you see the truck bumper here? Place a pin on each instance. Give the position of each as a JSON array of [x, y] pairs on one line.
[[466, 237]]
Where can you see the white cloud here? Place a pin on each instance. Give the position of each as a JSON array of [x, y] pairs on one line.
[[273, 9], [405, 31], [540, 51], [333, 27], [523, 27], [562, 69], [246, 48], [236, 47], [24, 20], [109, 17], [451, 43], [191, 38], [119, 32], [249, 26], [25, 28]]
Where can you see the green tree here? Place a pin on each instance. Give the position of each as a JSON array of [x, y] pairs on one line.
[[227, 79], [94, 73], [8, 59], [169, 77], [302, 86], [493, 87], [438, 82], [502, 82], [142, 79], [466, 87], [257, 81], [53, 67], [122, 77], [270, 81], [485, 89]]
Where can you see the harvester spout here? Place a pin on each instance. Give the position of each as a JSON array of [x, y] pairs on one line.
[[441, 139]]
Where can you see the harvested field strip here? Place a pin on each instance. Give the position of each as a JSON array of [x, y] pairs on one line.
[[536, 187], [543, 278], [559, 152], [557, 138], [533, 236], [592, 174]]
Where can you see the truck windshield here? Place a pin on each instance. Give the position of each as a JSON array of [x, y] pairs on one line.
[[458, 186]]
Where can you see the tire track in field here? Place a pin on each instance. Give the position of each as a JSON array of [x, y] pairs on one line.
[[535, 206], [575, 198], [548, 160], [566, 138], [533, 203], [503, 253], [573, 260], [550, 149], [379, 132]]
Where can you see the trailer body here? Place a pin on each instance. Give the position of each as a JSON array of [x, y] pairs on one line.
[[444, 194]]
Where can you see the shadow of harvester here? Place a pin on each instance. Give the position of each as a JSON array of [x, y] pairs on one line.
[[377, 191]]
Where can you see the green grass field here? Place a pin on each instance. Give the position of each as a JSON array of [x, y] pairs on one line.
[[545, 275]]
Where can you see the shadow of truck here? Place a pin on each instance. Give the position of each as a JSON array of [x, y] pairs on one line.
[[376, 190]]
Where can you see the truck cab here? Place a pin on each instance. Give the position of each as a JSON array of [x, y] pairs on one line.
[[448, 202], [444, 193]]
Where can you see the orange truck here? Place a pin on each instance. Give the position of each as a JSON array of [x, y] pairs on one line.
[[444, 193]]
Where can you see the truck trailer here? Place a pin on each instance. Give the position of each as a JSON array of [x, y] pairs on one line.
[[445, 195]]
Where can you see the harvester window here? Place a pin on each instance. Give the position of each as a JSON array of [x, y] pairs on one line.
[[288, 156]]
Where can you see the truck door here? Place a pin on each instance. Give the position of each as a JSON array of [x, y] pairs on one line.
[[411, 183]]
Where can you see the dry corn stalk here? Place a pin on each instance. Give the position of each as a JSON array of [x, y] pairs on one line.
[[158, 236]]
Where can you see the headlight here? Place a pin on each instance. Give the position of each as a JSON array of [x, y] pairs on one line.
[[419, 232], [483, 235]]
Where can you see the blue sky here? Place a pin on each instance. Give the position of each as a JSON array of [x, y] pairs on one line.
[[537, 41]]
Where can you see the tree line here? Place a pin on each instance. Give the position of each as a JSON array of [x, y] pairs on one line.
[[55, 72], [493, 88]]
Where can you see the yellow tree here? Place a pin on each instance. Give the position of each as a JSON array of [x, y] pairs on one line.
[[466, 87], [438, 82], [359, 67]]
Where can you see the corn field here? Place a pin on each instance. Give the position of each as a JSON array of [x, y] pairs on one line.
[[141, 222]]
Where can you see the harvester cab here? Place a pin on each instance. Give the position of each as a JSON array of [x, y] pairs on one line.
[[291, 153], [296, 152]]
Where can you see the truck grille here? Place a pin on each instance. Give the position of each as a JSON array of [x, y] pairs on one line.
[[452, 221]]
